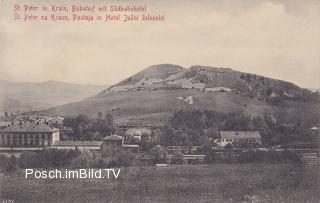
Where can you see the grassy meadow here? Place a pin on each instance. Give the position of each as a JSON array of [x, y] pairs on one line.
[[185, 183]]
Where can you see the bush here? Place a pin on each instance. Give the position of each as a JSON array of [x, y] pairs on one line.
[[81, 162], [159, 155], [84, 160], [99, 163], [292, 157], [50, 158], [89, 159], [228, 146], [123, 158], [178, 158], [226, 157], [29, 160], [3, 160], [268, 157], [8, 164]]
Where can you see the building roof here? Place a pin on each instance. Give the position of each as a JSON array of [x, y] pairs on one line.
[[113, 137], [130, 146], [240, 135], [29, 127]]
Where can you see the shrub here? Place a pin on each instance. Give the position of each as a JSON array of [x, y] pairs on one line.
[[123, 158], [99, 163], [226, 157], [57, 158], [8, 164], [50, 158], [158, 154], [228, 146], [84, 160], [3, 160], [268, 157], [292, 157], [29, 160], [81, 162], [178, 158], [249, 156]]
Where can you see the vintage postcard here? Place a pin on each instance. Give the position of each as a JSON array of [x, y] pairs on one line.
[[160, 101]]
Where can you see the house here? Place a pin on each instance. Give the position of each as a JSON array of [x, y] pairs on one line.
[[113, 144], [238, 137], [23, 135], [137, 133]]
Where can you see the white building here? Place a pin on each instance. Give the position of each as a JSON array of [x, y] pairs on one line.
[[28, 135], [233, 137]]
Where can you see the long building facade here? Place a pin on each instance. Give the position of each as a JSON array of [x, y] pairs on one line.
[[28, 135], [234, 137]]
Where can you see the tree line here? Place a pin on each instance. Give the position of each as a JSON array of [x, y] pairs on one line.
[[187, 128], [85, 128]]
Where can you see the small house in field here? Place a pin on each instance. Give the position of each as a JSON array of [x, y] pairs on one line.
[[239, 137]]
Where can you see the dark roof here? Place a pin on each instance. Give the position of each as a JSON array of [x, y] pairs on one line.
[[113, 137], [240, 134], [29, 127]]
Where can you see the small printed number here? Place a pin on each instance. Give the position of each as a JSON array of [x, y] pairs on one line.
[[7, 201]]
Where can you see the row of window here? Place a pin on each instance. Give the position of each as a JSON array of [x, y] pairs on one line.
[[24, 140]]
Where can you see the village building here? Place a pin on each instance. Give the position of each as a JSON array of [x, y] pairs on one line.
[[114, 144], [238, 137], [28, 135], [137, 133]]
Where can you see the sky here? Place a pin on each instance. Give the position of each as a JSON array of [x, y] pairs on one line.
[[277, 39]]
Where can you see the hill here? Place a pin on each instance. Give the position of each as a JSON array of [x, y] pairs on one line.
[[153, 94], [27, 96]]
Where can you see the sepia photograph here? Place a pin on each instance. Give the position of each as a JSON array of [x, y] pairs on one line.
[[148, 101]]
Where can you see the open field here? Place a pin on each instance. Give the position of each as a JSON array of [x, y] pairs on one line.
[[188, 183], [158, 106]]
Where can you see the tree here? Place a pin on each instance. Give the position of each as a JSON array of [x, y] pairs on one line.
[[109, 119], [178, 158], [10, 164], [269, 91], [228, 146], [158, 154], [86, 128]]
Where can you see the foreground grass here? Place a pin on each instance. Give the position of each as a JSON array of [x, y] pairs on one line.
[[189, 183]]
